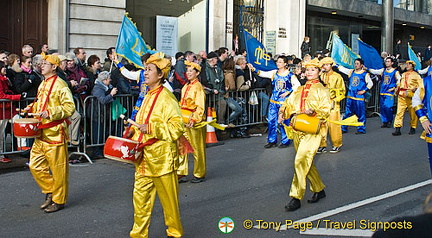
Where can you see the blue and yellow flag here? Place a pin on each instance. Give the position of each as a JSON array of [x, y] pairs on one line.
[[412, 56], [257, 54], [342, 54], [370, 56], [130, 44]]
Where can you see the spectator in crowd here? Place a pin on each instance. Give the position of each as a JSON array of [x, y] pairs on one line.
[[157, 173], [122, 84], [299, 71], [228, 68], [307, 58], [410, 81], [81, 55], [104, 93], [27, 50], [6, 108], [216, 83], [180, 78], [14, 66], [428, 53], [44, 48], [192, 105], [93, 69], [305, 47], [313, 99], [283, 83], [61, 70], [223, 53], [75, 73], [397, 49], [3, 56], [49, 154], [26, 81], [37, 65]]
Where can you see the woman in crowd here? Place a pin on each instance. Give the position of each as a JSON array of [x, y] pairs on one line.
[[160, 126], [27, 81]]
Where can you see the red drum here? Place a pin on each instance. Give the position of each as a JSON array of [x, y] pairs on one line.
[[26, 128], [121, 149]]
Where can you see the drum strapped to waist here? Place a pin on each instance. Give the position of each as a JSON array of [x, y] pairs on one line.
[[187, 114], [26, 128], [122, 149], [306, 123]]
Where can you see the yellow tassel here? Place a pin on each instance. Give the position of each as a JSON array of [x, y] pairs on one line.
[[350, 121], [211, 123]]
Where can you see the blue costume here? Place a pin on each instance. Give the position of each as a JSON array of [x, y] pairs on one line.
[[388, 81], [355, 104], [422, 104]]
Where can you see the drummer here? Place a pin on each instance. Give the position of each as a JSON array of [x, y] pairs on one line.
[[160, 125], [49, 155], [312, 99], [193, 100]]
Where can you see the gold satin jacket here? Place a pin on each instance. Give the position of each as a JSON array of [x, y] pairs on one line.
[[193, 99], [314, 95], [60, 105], [166, 125], [334, 82], [410, 81]]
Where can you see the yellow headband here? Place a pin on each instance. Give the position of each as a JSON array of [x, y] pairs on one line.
[[327, 60], [411, 62], [312, 63], [163, 64], [52, 59], [193, 65]]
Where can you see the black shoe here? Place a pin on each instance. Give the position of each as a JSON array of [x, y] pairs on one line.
[[317, 196], [397, 132], [244, 135], [48, 201], [293, 205], [53, 207], [389, 125], [270, 145], [197, 180], [384, 125], [360, 132], [321, 150], [281, 146], [344, 132], [412, 131], [183, 179]]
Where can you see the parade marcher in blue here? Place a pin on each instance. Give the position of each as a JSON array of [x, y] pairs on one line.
[[422, 104], [283, 84], [389, 77], [359, 83]]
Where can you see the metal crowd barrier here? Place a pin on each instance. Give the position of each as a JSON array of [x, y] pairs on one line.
[[97, 124]]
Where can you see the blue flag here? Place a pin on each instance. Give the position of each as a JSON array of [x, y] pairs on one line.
[[342, 54], [130, 44], [412, 56], [370, 55], [257, 54]]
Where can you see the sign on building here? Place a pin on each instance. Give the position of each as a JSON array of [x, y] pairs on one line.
[[167, 34]]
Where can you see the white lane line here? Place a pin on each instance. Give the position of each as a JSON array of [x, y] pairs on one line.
[[334, 232], [361, 203]]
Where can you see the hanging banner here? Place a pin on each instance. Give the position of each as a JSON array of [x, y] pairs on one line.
[[167, 35]]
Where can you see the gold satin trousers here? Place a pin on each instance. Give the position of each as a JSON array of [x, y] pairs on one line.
[[334, 130], [306, 146], [196, 137], [402, 105], [49, 165], [144, 194]]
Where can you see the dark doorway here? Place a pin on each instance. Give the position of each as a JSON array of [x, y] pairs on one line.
[[23, 22]]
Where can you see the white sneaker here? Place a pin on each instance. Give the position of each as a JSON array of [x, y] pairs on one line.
[[321, 150], [335, 149]]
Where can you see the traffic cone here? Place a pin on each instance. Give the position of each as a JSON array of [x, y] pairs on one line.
[[211, 134]]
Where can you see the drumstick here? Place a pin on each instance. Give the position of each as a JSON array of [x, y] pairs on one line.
[[29, 114], [129, 120]]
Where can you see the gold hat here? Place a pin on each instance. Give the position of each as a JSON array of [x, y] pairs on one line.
[[312, 63], [327, 60], [160, 62], [193, 65], [52, 59], [411, 62]]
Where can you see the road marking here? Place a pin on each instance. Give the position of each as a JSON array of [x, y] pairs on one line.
[[360, 203], [334, 232]]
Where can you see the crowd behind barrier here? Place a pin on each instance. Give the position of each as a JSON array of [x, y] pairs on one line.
[[94, 130]]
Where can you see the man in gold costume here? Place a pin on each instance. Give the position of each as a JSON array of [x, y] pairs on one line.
[[49, 162], [312, 99], [334, 82], [408, 84], [160, 126], [192, 104]]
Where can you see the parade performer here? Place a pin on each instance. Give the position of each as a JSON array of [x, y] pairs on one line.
[[334, 82], [312, 99], [49, 162], [422, 104], [283, 84], [192, 104], [410, 81], [389, 77], [160, 126], [359, 83]]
